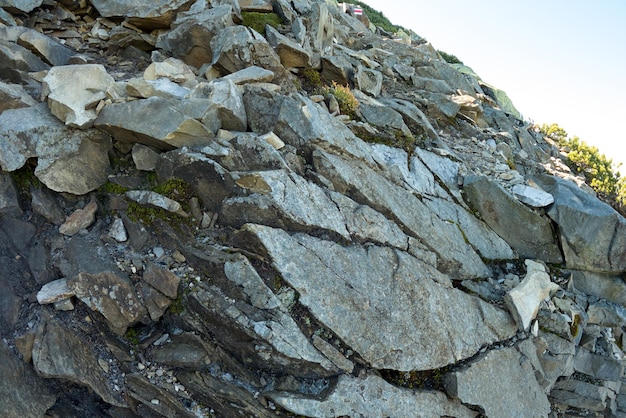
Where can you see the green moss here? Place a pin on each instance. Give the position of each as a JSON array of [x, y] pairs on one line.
[[175, 189], [348, 104], [258, 21], [110, 187], [24, 179], [132, 336], [392, 138], [177, 307], [424, 379]]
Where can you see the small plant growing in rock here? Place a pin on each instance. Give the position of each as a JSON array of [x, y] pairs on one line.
[[346, 100]]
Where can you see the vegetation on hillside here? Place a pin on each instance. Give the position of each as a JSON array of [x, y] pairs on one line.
[[598, 170], [450, 59], [379, 19]]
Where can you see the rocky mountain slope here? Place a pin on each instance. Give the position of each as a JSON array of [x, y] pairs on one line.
[[199, 218]]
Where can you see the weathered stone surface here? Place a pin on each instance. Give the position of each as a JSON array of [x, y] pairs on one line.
[[111, 295], [68, 160], [20, 5], [317, 269], [367, 186], [154, 199], [580, 394], [372, 396], [142, 121], [606, 314], [556, 355], [285, 200], [368, 81], [143, 14], [377, 114], [79, 219], [532, 196], [53, 52], [43, 204], [192, 32], [172, 69], [598, 367], [503, 368], [14, 96], [9, 200], [252, 74], [413, 117], [145, 158], [526, 231], [16, 62], [23, 393], [161, 87], [59, 352], [523, 301], [593, 234], [162, 280], [609, 287], [227, 100], [290, 52], [155, 399]]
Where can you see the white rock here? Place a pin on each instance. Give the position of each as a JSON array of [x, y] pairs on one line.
[[523, 301], [54, 291], [273, 139], [117, 231], [531, 196], [73, 92]]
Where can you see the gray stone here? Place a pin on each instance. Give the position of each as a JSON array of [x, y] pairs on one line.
[[444, 168], [523, 301], [593, 234], [111, 295], [73, 91], [252, 74], [44, 204], [23, 393], [156, 400], [190, 36], [9, 199], [368, 81], [331, 281], [372, 396], [291, 54], [54, 291], [413, 117], [384, 117], [53, 52], [154, 199], [529, 234], [367, 186], [145, 158], [603, 286], [607, 314], [173, 70], [556, 355], [186, 350], [598, 367], [237, 47], [251, 152], [143, 121], [20, 5], [227, 100], [337, 68], [161, 87], [498, 369], [580, 394], [14, 96], [146, 14], [532, 196], [118, 231], [61, 353], [16, 62], [68, 160]]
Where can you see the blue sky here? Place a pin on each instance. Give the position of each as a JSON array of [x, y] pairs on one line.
[[559, 61]]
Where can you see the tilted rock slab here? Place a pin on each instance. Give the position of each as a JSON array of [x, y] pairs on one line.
[[593, 234], [394, 310], [372, 396], [367, 186], [146, 14], [526, 231]]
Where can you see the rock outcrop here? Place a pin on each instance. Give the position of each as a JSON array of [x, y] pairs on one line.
[[270, 208]]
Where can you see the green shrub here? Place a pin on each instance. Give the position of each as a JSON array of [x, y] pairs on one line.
[[257, 21], [379, 19], [346, 100], [449, 58], [595, 166]]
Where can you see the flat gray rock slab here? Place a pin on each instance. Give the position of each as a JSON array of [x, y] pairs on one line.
[[394, 310]]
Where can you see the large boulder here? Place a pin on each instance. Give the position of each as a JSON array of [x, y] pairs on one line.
[[192, 32], [68, 160], [73, 91], [45, 47], [147, 14], [527, 232], [16, 62], [143, 121], [593, 235], [24, 6], [394, 310]]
